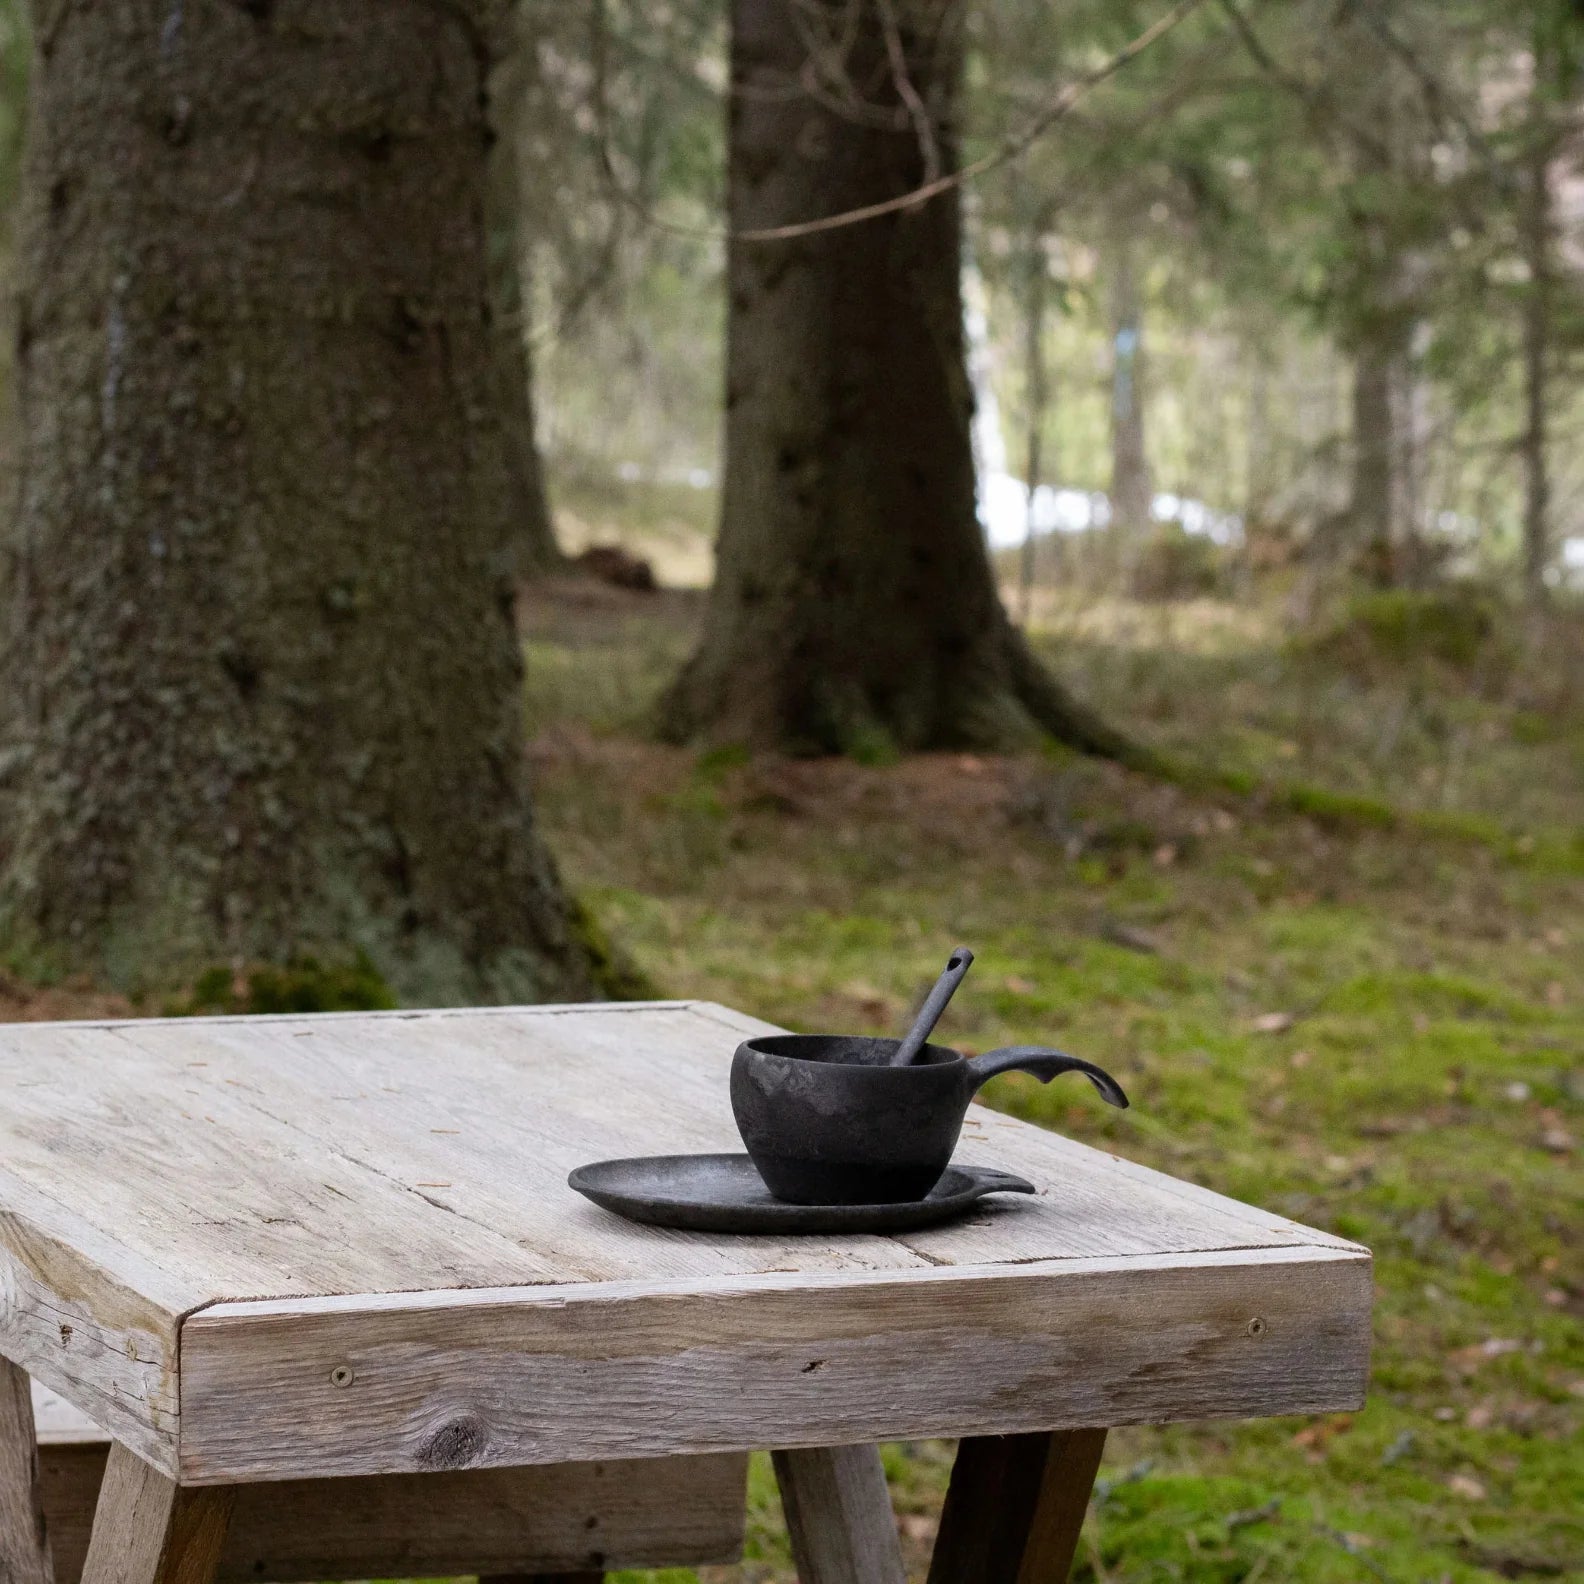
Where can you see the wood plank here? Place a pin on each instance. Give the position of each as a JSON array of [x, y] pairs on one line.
[[838, 1515], [58, 1423], [565, 1518], [488, 1118], [88, 1319], [370, 1153], [149, 1530], [324, 1154], [593, 1371], [24, 1540], [1015, 1508]]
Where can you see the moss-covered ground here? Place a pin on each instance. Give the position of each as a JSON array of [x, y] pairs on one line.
[[1376, 1026]]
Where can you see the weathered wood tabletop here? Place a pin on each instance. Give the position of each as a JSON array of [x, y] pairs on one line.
[[258, 1249]]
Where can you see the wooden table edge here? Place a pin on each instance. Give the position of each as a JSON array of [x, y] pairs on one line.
[[403, 1382]]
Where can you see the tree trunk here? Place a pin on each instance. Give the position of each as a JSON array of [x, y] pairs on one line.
[[1131, 493], [535, 551], [1534, 444], [1373, 500], [260, 685], [854, 603], [1036, 400]]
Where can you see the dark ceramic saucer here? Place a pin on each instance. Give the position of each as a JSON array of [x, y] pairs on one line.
[[724, 1193]]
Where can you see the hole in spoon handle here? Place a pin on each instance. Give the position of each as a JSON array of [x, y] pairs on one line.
[[957, 965]]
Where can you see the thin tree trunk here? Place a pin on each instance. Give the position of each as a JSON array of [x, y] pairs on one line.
[[260, 685], [534, 548], [1036, 400], [854, 603], [1131, 492], [1534, 446], [1373, 500]]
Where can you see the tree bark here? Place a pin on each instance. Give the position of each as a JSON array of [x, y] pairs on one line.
[[1131, 493], [854, 603], [535, 551], [1036, 398], [1372, 509], [1534, 445], [260, 685]]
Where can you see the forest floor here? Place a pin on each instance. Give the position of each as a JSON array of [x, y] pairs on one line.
[[1345, 982]]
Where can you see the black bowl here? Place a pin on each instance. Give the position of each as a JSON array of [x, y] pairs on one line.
[[826, 1119]]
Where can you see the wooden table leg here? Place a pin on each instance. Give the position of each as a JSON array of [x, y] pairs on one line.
[[149, 1530], [838, 1515], [24, 1546], [1015, 1506]]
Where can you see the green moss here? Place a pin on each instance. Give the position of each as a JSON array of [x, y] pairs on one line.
[[1457, 627], [714, 764], [870, 744], [615, 974], [302, 985], [1337, 810]]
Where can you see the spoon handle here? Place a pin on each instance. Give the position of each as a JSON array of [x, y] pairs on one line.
[[934, 1004]]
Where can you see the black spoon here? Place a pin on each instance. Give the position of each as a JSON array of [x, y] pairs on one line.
[[957, 965]]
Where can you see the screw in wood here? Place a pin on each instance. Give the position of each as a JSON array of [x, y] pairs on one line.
[[1256, 1327], [341, 1375]]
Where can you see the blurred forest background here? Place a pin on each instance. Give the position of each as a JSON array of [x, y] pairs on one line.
[[1237, 387]]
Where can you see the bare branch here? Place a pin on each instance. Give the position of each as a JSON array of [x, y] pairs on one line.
[[923, 127], [1009, 149]]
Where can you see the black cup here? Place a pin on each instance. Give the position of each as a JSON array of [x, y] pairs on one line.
[[826, 1120]]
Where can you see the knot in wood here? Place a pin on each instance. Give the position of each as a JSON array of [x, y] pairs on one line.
[[458, 1443]]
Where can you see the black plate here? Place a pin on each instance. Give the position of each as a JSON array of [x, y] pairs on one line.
[[723, 1193]]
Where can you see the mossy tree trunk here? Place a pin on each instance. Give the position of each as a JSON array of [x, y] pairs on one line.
[[854, 604], [260, 684]]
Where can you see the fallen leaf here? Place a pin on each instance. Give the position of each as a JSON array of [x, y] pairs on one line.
[[1555, 995], [1466, 1486], [1018, 985], [1273, 1022], [1165, 855], [1299, 1058], [1323, 1430], [1557, 1140], [1480, 1416]]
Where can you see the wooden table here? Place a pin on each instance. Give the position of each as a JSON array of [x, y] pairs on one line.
[[342, 1249]]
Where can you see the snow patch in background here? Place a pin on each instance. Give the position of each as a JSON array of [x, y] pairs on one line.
[[1005, 517]]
